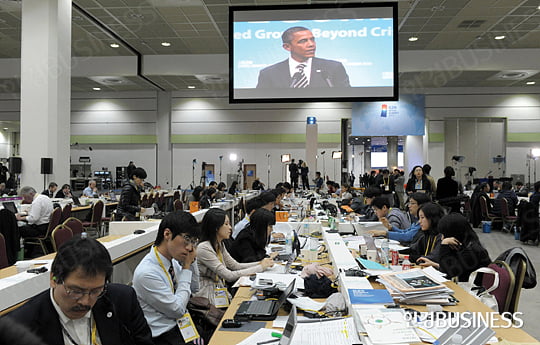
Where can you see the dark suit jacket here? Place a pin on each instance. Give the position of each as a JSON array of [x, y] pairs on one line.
[[118, 316], [324, 73], [245, 249]]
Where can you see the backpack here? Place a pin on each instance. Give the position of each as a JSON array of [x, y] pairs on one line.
[[512, 257]]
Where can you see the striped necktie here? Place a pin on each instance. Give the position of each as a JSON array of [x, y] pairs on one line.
[[173, 277], [301, 80]]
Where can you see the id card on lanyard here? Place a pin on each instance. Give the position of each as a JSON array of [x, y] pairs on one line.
[[221, 296], [185, 323]]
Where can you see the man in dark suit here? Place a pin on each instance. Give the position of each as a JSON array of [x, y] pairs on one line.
[[81, 307], [302, 69]]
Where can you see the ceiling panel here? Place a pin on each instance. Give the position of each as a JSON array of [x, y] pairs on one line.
[[201, 27]]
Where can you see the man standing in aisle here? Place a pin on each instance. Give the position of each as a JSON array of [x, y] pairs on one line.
[[82, 307], [166, 277], [302, 69], [293, 173]]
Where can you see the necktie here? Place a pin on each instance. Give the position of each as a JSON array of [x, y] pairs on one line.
[[300, 79], [173, 278]]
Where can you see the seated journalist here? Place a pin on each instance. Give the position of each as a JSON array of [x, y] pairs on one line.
[[81, 306], [302, 69], [167, 276]]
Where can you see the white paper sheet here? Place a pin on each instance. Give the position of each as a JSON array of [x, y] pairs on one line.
[[306, 303], [262, 334]]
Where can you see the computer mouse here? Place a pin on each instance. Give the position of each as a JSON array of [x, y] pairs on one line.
[[138, 232]]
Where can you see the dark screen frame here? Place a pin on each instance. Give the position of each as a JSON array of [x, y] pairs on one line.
[[310, 98]]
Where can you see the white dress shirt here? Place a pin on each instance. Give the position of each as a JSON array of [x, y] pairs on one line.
[[162, 306], [40, 210], [293, 64], [80, 329]]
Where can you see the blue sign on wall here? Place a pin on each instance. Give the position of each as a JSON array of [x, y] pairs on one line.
[[404, 117]]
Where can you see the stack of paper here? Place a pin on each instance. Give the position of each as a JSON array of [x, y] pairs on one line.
[[387, 326], [416, 287]]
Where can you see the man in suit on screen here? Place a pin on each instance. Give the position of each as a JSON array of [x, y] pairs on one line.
[[302, 69]]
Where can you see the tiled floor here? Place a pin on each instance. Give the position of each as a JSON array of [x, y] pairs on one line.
[[497, 242]]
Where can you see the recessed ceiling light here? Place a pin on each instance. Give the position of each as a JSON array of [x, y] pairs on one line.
[[96, 88], [166, 44], [191, 87], [538, 7], [501, 37], [413, 38], [114, 45], [5, 128], [531, 83]]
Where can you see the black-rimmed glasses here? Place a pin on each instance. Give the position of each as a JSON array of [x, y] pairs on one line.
[[77, 294]]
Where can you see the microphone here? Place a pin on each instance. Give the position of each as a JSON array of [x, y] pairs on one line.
[[326, 78], [295, 78]]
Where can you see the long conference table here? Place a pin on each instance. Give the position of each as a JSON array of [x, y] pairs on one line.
[[125, 247]]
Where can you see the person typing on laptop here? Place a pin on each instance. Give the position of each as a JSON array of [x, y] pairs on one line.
[[216, 265], [37, 219]]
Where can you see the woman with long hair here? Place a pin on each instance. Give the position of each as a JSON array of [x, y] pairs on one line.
[[233, 189], [427, 241], [461, 252], [250, 244], [216, 266], [418, 181]]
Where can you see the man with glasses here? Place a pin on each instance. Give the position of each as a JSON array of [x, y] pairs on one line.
[[82, 307], [167, 276]]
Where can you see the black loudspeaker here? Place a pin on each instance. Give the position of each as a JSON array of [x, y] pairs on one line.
[[15, 165], [46, 165]]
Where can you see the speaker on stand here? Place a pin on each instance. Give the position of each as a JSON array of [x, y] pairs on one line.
[[15, 169], [46, 169]]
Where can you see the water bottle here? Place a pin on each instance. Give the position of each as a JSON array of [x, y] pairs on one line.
[[289, 243], [406, 264], [456, 339], [385, 250], [306, 229]]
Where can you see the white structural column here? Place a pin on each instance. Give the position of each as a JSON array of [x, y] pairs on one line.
[[312, 141], [392, 151], [413, 152], [164, 147], [45, 89]]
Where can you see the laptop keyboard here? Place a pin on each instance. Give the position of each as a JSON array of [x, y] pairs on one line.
[[260, 307]]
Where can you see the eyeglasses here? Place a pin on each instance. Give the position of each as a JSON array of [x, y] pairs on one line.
[[413, 203], [77, 294], [191, 240]]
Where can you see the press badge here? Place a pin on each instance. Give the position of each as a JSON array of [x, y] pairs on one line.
[[387, 188], [187, 328], [221, 299]]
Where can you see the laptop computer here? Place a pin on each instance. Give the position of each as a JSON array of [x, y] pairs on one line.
[[10, 206], [289, 328], [76, 200], [263, 310]]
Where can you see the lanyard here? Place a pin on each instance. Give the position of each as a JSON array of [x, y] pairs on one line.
[[92, 336], [428, 249], [220, 258], [163, 268]]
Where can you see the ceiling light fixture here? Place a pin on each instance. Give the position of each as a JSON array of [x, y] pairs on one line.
[[531, 83], [166, 44], [191, 87], [114, 45], [413, 39], [96, 88], [5, 128], [500, 37]]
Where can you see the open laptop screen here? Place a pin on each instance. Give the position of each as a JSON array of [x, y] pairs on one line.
[[10, 205], [289, 327]]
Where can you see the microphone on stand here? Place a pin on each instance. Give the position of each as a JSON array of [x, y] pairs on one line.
[[326, 78], [295, 78]]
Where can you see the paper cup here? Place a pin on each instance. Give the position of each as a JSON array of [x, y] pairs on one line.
[[23, 266]]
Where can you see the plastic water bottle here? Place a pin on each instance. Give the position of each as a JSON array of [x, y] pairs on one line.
[[20, 255], [306, 229], [406, 264], [457, 339], [385, 251], [289, 243]]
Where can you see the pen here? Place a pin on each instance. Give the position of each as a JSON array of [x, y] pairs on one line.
[[268, 341]]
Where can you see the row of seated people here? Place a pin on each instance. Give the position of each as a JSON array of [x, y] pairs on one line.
[[82, 304]]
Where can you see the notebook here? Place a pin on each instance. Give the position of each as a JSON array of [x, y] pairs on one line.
[[10, 206], [263, 310]]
